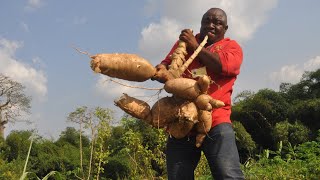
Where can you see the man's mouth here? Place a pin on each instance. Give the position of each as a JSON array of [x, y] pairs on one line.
[[210, 33]]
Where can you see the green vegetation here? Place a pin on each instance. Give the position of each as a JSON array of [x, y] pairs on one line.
[[277, 134]]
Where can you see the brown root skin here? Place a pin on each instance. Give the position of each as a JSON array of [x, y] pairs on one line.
[[135, 107], [199, 139], [186, 119], [203, 102], [179, 129], [205, 122], [178, 58], [129, 67], [188, 112], [203, 126], [204, 83], [162, 75], [183, 87], [216, 103], [164, 111]]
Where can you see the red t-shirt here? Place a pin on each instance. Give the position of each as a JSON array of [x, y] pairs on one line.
[[231, 56]]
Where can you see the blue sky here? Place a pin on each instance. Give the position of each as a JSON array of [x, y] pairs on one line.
[[280, 40]]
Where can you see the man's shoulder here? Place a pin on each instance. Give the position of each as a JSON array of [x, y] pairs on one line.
[[229, 40], [231, 43]]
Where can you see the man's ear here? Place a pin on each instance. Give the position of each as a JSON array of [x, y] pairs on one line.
[[226, 28]]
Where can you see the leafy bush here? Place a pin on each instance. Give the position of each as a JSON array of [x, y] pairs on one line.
[[287, 132], [117, 168], [304, 164], [245, 144]]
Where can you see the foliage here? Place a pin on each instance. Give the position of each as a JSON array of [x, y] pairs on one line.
[[97, 121], [71, 136], [246, 146], [203, 169], [294, 134], [304, 165], [152, 139], [308, 112], [259, 112], [18, 144], [307, 88], [117, 167], [101, 150], [10, 170]]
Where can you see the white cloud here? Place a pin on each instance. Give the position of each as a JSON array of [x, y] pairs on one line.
[[293, 73], [288, 73], [34, 80], [155, 39], [244, 18], [33, 4], [313, 64]]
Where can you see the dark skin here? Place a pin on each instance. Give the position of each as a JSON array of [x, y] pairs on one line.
[[213, 24]]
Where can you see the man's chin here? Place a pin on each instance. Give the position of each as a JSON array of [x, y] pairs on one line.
[[211, 36]]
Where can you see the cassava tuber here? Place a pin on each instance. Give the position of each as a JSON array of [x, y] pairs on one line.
[[129, 67]]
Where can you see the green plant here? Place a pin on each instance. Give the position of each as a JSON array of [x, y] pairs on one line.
[[25, 174]]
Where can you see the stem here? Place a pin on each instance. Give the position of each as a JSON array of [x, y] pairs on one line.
[[80, 144], [25, 165], [92, 144], [100, 161]]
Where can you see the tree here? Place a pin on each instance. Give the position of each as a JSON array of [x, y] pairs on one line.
[[71, 136], [18, 143], [259, 113], [13, 102], [304, 99], [97, 121], [307, 88]]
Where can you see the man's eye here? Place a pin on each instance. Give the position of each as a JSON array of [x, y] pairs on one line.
[[206, 21]]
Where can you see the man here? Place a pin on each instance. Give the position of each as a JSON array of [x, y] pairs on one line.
[[220, 59]]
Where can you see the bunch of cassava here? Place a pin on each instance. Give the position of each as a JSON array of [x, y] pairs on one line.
[[188, 108]]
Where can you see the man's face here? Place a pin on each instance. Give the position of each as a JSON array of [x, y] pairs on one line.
[[213, 24]]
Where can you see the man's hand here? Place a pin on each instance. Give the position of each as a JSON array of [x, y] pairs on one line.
[[188, 37], [162, 74]]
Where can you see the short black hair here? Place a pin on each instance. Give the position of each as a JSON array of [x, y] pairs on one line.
[[223, 12]]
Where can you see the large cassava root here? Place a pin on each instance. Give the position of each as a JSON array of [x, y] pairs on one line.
[[129, 67], [188, 108], [177, 115], [196, 91], [135, 107]]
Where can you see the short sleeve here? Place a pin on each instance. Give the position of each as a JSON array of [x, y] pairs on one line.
[[231, 57]]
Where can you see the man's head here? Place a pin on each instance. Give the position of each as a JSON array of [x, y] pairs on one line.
[[214, 24]]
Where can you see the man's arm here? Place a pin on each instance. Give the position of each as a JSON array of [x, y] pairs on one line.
[[211, 60]]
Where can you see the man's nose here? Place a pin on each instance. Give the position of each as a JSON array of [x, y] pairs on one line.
[[212, 25]]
